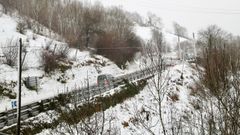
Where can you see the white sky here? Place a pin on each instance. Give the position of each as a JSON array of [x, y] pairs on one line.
[[192, 14]]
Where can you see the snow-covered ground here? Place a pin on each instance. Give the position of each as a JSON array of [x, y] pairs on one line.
[[75, 77], [145, 101], [135, 110], [49, 86], [82, 67]]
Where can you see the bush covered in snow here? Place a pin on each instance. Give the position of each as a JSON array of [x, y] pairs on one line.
[[53, 59], [21, 27], [10, 52], [6, 92]]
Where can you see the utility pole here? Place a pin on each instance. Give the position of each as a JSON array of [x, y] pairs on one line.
[[19, 86], [181, 56], [179, 48], [88, 86], [194, 45]]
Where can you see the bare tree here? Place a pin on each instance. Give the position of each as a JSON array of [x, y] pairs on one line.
[[92, 17], [5, 5], [118, 42], [155, 66], [62, 51], [10, 52], [221, 79], [154, 21], [135, 17], [116, 22]]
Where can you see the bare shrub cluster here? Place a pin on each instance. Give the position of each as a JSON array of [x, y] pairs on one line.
[[21, 27], [50, 58], [49, 61], [221, 77], [10, 52]]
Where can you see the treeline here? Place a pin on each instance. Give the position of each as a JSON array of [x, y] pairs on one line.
[[108, 30], [220, 59]]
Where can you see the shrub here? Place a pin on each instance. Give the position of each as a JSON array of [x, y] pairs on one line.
[[63, 99], [62, 52], [125, 124], [49, 61], [7, 92], [54, 59], [21, 27], [10, 52], [64, 67], [174, 97]]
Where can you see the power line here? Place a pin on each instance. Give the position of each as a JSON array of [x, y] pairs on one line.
[[182, 36], [192, 11], [155, 6], [151, 2]]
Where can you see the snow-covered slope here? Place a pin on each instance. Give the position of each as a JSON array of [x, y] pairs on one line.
[[176, 104], [144, 104], [82, 65], [140, 115]]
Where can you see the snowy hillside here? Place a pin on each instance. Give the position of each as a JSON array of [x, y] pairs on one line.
[[139, 115], [164, 79], [82, 64], [136, 110]]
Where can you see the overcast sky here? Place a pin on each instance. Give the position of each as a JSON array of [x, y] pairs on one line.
[[192, 14]]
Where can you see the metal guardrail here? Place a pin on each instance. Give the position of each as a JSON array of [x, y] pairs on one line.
[[3, 134], [9, 117]]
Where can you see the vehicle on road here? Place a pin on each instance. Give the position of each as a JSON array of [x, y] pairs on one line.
[[105, 81]]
